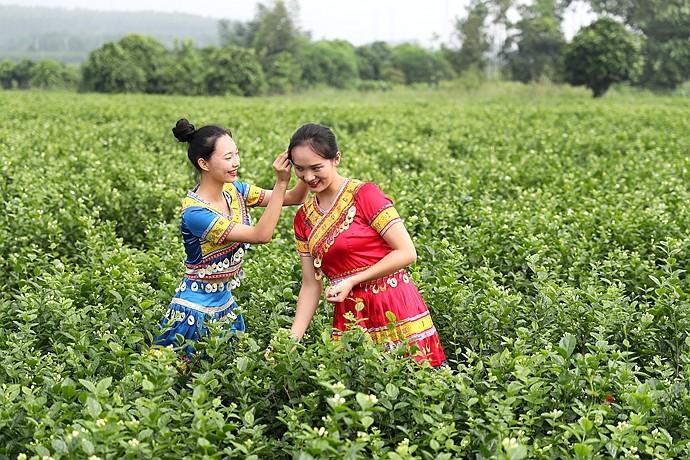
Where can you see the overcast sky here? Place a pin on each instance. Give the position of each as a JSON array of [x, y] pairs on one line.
[[358, 21]]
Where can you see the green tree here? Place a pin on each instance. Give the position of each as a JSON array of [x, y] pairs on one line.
[[149, 55], [276, 40], [234, 70], [49, 74], [184, 70], [276, 31], [601, 54], [7, 74], [420, 65], [283, 73], [111, 69], [333, 63], [372, 59], [22, 73], [667, 63], [666, 26], [237, 33], [474, 41], [392, 75], [535, 51]]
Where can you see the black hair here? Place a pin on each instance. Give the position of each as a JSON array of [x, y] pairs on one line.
[[202, 141], [318, 137]]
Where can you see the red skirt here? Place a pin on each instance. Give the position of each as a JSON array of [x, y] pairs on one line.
[[392, 299]]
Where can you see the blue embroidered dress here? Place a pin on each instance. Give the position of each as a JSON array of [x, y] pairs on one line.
[[213, 264]]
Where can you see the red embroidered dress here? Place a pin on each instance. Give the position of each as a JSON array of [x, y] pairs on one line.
[[347, 239]]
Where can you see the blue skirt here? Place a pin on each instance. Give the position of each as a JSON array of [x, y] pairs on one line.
[[195, 304]]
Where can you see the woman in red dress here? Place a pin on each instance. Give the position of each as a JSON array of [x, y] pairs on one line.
[[349, 232]]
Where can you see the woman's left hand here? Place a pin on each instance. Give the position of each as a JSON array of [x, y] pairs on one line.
[[339, 292]]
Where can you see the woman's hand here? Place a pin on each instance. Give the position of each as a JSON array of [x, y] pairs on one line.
[[340, 291], [282, 167]]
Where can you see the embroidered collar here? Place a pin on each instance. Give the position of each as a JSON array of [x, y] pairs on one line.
[[335, 221], [232, 198]]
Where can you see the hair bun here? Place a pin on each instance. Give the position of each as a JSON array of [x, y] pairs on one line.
[[184, 131]]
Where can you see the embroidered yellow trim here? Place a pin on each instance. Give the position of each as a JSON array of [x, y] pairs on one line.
[[385, 218], [255, 196], [403, 331], [311, 214], [222, 224], [237, 211], [302, 246], [218, 229], [324, 226]]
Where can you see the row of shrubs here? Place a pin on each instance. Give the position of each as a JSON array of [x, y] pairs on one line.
[[138, 63]]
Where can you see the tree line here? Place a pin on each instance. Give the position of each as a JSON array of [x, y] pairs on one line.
[[645, 43], [642, 42]]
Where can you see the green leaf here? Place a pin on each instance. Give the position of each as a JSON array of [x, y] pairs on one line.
[[390, 316], [363, 401], [367, 421], [117, 296], [392, 391], [203, 442], [567, 344], [103, 385], [586, 424], [93, 407], [517, 453], [147, 385], [89, 386], [59, 446], [249, 417], [582, 451], [87, 446]]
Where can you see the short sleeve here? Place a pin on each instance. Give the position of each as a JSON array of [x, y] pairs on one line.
[[206, 224], [376, 208], [301, 233], [253, 195]]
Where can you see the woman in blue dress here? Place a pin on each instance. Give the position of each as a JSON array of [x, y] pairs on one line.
[[217, 230]]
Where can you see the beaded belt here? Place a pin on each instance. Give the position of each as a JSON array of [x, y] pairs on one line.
[[383, 283], [218, 285]]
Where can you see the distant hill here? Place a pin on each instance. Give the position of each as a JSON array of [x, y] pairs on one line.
[[69, 35]]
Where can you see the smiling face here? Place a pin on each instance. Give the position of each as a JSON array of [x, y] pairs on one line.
[[316, 171], [224, 163]]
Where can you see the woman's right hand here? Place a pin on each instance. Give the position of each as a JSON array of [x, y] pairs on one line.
[[282, 167]]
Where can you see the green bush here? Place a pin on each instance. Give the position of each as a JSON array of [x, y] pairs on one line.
[[420, 65], [234, 70], [333, 63]]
